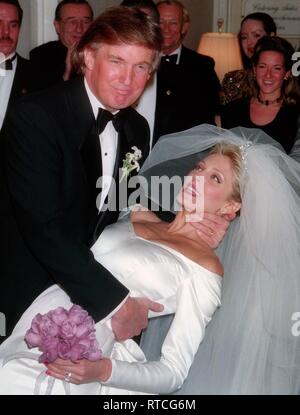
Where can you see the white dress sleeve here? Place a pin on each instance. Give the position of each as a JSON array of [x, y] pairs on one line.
[[197, 299]]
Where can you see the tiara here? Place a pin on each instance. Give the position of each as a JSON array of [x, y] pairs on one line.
[[243, 149]]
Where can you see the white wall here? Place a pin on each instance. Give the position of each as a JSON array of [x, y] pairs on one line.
[[37, 26], [25, 33], [233, 12]]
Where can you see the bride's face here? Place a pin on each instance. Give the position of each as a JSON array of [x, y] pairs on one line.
[[209, 186]]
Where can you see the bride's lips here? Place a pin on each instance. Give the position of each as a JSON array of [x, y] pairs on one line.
[[192, 189]]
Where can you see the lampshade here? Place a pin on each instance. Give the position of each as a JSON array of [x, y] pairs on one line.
[[224, 49]]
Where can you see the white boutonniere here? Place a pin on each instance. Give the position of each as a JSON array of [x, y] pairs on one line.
[[130, 162]]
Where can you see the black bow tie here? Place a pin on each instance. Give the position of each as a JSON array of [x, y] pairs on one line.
[[169, 59], [7, 64], [105, 116]]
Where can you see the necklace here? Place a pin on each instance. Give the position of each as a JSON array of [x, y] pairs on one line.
[[267, 102]]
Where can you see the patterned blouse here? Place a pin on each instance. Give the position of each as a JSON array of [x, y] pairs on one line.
[[235, 85]]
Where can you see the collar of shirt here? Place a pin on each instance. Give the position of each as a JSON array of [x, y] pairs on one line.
[[11, 55], [6, 82], [108, 141], [178, 52], [95, 103]]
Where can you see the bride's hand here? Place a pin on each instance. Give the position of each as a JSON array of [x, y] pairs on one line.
[[132, 317], [83, 371], [211, 227]]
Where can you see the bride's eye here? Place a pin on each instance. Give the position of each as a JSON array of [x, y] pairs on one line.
[[216, 178]]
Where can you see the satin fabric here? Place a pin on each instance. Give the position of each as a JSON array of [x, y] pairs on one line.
[[147, 269]]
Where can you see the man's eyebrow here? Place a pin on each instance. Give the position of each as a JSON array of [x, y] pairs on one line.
[[111, 55], [10, 21], [143, 63], [118, 57], [80, 18]]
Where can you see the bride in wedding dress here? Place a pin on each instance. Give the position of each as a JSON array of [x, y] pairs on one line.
[[170, 264]]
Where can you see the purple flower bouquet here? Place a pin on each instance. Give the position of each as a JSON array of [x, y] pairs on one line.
[[63, 334]]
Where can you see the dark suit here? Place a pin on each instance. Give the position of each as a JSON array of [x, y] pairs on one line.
[[48, 63], [22, 81], [46, 214], [187, 94]]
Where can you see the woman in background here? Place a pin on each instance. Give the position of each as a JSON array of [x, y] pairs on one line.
[[253, 27], [272, 103]]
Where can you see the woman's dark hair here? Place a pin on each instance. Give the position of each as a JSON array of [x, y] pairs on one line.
[[275, 44], [290, 88], [143, 4], [269, 27]]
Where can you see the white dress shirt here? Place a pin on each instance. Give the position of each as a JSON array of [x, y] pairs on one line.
[[178, 52], [6, 81], [146, 105], [108, 143]]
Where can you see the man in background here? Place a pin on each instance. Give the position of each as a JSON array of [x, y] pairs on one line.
[[187, 84], [15, 70], [51, 62]]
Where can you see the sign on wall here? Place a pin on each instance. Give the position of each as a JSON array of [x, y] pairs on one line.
[[286, 14]]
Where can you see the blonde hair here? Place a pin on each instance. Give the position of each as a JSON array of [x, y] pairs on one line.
[[233, 152]]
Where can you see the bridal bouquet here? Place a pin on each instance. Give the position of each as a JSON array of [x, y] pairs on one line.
[[64, 334]]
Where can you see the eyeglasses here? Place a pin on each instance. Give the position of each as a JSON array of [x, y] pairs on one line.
[[74, 23]]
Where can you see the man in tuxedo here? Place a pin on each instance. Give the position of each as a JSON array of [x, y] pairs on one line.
[[15, 70], [51, 62], [55, 145], [187, 85]]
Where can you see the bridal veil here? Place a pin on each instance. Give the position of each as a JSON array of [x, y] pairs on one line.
[[252, 344]]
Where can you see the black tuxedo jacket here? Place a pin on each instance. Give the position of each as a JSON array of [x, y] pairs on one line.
[[187, 94], [48, 64], [45, 210], [22, 83]]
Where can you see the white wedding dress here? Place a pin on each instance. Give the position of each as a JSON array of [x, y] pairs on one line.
[[148, 269]]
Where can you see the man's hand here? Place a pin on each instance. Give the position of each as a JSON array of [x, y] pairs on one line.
[[212, 228], [132, 317]]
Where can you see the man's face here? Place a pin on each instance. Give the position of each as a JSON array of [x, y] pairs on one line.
[[9, 28], [117, 74], [74, 21], [172, 26]]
